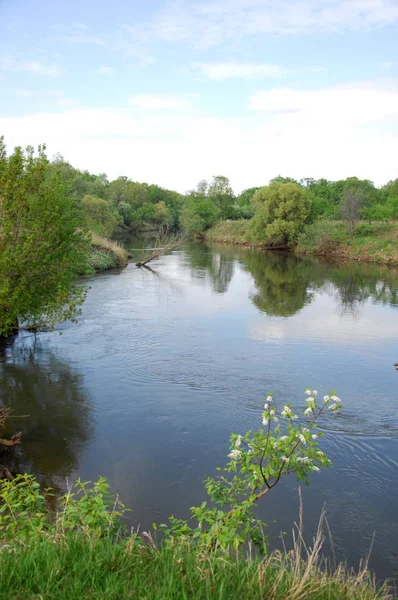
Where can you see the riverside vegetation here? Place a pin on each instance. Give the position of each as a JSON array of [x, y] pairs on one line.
[[55, 222], [82, 550]]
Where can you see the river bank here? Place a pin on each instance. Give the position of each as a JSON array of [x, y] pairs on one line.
[[375, 242], [83, 566], [104, 254]]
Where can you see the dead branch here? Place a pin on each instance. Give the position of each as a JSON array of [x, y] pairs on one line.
[[5, 473], [14, 441], [5, 414], [162, 245]]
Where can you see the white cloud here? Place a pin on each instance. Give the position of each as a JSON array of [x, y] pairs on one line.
[[31, 66], [160, 102], [387, 65], [209, 23], [23, 92], [333, 135], [79, 34], [232, 70], [348, 106], [104, 70], [68, 102]]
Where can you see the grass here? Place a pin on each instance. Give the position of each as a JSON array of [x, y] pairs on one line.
[[79, 566], [229, 232], [373, 242], [105, 254]]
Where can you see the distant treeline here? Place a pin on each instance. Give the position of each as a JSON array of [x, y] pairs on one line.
[[109, 205]]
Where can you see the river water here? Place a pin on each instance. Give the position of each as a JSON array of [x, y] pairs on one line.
[[163, 365]]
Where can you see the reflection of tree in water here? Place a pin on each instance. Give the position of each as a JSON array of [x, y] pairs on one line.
[[357, 283], [282, 281], [218, 265], [285, 282], [34, 382]]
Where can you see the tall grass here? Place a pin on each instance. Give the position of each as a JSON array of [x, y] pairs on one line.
[[79, 566], [105, 254]]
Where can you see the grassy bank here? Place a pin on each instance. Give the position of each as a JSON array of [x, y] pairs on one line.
[[105, 254], [81, 566], [229, 232], [375, 242]]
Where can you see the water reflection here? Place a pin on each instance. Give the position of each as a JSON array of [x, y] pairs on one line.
[[285, 283], [51, 408], [217, 266]]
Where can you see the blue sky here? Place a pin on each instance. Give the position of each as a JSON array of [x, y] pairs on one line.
[[174, 92]]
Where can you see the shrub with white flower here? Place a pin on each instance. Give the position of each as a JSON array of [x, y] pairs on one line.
[[258, 462]]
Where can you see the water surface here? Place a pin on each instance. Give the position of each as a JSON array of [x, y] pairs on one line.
[[163, 364]]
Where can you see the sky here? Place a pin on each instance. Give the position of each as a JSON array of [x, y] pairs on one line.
[[175, 92]]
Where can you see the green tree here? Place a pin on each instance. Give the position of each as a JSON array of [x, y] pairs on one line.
[[221, 194], [281, 211], [99, 215], [199, 213], [351, 207], [43, 242]]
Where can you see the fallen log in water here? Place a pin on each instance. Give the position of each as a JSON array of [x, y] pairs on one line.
[[162, 245]]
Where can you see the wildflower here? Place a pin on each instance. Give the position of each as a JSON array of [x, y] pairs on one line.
[[332, 407], [266, 406], [284, 438], [308, 411], [304, 430], [326, 399], [286, 411], [336, 399], [314, 436], [308, 392], [285, 459], [238, 441], [272, 412], [276, 419], [269, 398], [314, 392], [302, 438], [235, 454], [265, 421], [294, 416], [302, 459], [320, 453], [314, 468]]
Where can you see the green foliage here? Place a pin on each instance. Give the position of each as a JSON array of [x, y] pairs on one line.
[[245, 198], [99, 215], [221, 194], [76, 567], [323, 236], [199, 213], [90, 507], [98, 260], [87, 508], [259, 459], [23, 512], [42, 242], [281, 211]]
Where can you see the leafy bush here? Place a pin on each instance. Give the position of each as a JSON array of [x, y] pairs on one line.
[[258, 461], [323, 236], [86, 508], [281, 211]]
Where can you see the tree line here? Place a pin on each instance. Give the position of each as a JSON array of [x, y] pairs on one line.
[[48, 207]]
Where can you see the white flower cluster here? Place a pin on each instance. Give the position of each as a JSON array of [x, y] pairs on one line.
[[287, 412], [334, 402], [235, 454]]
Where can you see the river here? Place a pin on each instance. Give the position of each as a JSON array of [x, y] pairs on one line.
[[164, 364]]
